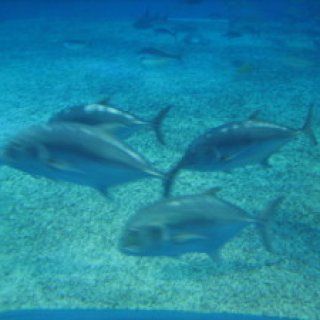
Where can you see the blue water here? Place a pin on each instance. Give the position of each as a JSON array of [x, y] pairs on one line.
[[59, 241]]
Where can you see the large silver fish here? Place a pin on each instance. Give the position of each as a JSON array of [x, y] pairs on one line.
[[198, 223], [236, 144], [76, 153], [111, 119]]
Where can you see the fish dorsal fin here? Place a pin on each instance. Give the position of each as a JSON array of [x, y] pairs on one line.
[[254, 115], [104, 102], [212, 192]]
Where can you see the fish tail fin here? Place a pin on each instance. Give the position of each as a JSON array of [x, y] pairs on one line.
[[264, 219], [157, 124], [307, 127], [169, 179]]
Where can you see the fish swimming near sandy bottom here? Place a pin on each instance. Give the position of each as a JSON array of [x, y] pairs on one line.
[[150, 56], [111, 119], [236, 144], [76, 153], [198, 223]]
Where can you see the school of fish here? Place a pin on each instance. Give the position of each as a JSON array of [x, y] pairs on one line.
[[85, 145]]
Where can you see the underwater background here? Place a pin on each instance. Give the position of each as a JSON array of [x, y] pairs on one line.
[[217, 62]]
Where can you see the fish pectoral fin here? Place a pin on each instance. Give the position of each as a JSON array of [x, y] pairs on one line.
[[63, 166], [110, 128], [181, 238], [235, 155], [223, 157]]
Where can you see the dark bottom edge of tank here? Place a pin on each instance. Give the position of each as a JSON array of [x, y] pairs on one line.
[[100, 314]]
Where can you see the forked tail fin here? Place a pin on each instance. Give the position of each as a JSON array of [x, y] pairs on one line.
[[157, 124], [264, 219], [169, 180], [307, 127]]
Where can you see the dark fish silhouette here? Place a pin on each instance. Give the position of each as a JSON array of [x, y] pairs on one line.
[[236, 144], [153, 56], [199, 223], [111, 119], [76, 153]]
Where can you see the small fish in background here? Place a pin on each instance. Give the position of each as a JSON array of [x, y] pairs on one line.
[[75, 44], [149, 20], [111, 119], [76, 153], [200, 223], [236, 144], [150, 56]]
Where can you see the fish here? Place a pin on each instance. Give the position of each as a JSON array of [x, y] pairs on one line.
[[75, 153], [111, 119], [200, 223], [150, 56], [237, 144]]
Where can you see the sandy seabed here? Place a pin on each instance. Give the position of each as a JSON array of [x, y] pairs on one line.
[[58, 246]]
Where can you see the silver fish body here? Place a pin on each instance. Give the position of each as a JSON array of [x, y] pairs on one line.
[[235, 145], [76, 153], [200, 223], [111, 119]]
